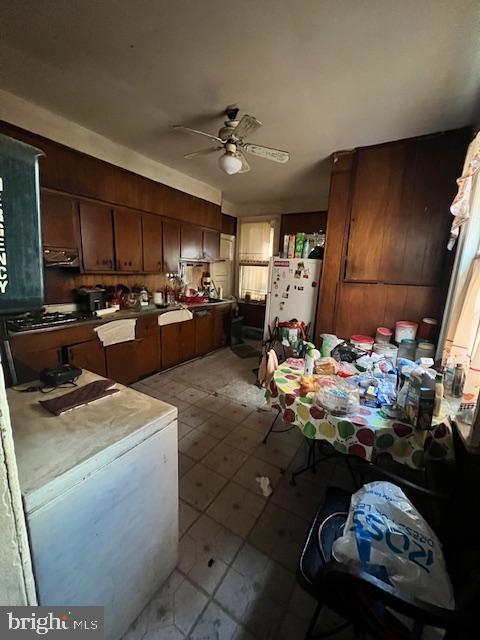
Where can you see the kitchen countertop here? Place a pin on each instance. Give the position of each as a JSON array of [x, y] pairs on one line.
[[123, 315], [57, 451]]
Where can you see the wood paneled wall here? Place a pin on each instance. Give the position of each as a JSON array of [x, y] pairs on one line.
[[386, 256], [70, 171], [309, 222]]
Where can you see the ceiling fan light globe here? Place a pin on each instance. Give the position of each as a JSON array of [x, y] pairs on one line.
[[229, 163]]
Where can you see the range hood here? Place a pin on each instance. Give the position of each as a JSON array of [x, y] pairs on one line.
[[60, 257]]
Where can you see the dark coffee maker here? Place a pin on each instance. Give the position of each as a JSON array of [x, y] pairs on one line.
[[91, 299]]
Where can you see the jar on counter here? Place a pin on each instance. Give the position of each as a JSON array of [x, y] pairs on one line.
[[407, 349], [425, 350], [458, 380], [383, 335], [386, 350], [405, 330], [427, 329], [362, 342]]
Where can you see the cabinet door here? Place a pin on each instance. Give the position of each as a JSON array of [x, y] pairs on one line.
[[192, 242], [203, 332], [171, 246], [377, 212], [211, 245], [88, 355], [152, 243], [58, 227], [29, 365], [170, 341], [187, 340], [146, 355], [121, 362], [221, 327], [128, 240], [96, 231]]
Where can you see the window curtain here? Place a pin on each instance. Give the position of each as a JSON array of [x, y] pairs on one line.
[[460, 334], [256, 243]]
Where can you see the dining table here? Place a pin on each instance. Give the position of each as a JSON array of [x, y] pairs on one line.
[[366, 433]]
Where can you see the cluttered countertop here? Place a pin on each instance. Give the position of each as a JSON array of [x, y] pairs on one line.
[[73, 319], [50, 448]]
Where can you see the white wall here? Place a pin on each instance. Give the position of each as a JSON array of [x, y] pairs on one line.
[[34, 118]]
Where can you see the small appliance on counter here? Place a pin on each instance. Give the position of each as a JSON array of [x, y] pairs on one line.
[[91, 299]]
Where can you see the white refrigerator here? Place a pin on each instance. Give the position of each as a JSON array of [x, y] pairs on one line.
[[293, 286]]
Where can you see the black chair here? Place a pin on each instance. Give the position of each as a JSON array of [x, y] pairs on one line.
[[365, 601]]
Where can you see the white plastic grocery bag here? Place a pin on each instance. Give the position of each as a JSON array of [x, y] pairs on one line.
[[385, 536]]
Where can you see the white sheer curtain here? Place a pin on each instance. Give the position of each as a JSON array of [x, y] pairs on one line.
[[254, 251]]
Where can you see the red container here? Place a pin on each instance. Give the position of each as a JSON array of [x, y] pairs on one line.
[[427, 329]]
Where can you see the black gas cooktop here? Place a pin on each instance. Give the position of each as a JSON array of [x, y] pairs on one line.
[[41, 321]]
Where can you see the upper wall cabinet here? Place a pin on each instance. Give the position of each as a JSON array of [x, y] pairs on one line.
[[211, 245], [128, 240], [191, 242], [152, 232], [400, 221], [171, 246], [96, 231], [58, 220], [199, 244]]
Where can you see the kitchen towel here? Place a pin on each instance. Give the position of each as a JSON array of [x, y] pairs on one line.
[[179, 315], [81, 396], [116, 331]]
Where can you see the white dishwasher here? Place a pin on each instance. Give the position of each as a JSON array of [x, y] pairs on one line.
[[103, 531]]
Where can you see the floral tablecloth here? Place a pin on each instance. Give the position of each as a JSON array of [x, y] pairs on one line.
[[366, 434]]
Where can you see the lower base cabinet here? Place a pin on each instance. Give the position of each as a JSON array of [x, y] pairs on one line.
[[187, 340], [29, 365], [121, 362], [204, 332], [170, 338], [88, 355]]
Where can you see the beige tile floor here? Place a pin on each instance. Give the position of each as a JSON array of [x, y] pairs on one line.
[[238, 550]]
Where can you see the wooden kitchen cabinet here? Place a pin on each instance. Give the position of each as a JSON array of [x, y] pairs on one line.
[[58, 220], [170, 345], [128, 240], [211, 245], [171, 246], [221, 326], [147, 355], [120, 359], [152, 232], [191, 242], [96, 230], [203, 332], [187, 340], [29, 364], [88, 355]]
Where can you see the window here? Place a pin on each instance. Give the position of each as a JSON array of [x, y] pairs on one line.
[[254, 251]]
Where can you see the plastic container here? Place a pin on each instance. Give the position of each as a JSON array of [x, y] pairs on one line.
[[425, 350], [405, 330], [329, 342], [362, 342], [338, 398], [407, 349], [427, 329], [383, 335], [386, 350]]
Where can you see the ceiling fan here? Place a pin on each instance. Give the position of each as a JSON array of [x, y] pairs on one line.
[[231, 141]]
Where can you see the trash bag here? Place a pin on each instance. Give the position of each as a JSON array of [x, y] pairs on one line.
[[387, 537]]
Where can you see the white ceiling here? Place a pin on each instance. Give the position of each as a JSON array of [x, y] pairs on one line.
[[321, 76]]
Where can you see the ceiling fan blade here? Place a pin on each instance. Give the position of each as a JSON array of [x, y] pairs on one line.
[[202, 152], [180, 127], [245, 165], [246, 126], [265, 152]]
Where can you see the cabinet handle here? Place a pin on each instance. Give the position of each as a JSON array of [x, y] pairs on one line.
[[129, 263]]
